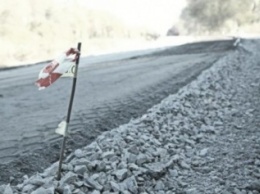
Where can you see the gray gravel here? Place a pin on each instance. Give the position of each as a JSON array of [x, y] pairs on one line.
[[203, 139]]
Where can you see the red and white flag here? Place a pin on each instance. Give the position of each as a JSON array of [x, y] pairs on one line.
[[57, 68]]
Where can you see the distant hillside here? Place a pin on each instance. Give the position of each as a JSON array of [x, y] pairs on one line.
[[34, 30], [221, 16]]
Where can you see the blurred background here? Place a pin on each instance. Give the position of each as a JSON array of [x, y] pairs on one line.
[[36, 30]]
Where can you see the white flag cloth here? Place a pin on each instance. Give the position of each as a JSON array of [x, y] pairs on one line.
[[57, 68], [70, 72], [62, 128]]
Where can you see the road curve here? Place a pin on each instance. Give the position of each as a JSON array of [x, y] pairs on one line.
[[111, 90]]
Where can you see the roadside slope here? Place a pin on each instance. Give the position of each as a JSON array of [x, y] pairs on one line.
[[108, 94], [202, 140]]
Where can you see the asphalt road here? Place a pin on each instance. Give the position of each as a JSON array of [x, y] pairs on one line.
[[111, 90]]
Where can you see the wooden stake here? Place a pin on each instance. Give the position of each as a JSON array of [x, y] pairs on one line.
[[69, 113]]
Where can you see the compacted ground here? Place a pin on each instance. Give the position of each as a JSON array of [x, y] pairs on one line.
[[108, 95]]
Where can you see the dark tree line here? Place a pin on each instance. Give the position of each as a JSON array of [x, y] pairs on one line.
[[212, 15]]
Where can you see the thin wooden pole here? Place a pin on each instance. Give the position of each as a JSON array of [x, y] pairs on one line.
[[69, 113]]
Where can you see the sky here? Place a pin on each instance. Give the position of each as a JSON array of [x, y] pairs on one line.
[[157, 15]]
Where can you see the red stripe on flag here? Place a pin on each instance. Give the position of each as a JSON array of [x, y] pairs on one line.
[[50, 67], [45, 82]]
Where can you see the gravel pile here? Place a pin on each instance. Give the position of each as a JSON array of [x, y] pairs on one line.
[[204, 139]]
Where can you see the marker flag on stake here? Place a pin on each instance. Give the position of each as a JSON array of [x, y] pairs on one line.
[[57, 68]]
